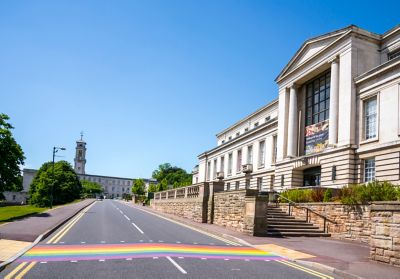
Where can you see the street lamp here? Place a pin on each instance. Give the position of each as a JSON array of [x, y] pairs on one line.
[[55, 150]]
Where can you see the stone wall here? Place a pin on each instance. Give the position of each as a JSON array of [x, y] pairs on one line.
[[188, 208], [385, 232], [241, 210], [349, 222]]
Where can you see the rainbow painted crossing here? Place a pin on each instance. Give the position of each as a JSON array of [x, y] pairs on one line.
[[57, 253]]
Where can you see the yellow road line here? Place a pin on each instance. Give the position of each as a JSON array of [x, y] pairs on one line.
[[12, 273], [25, 271], [307, 270], [194, 229], [62, 232], [58, 233]]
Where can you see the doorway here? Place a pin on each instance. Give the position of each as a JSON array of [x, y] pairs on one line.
[[312, 176]]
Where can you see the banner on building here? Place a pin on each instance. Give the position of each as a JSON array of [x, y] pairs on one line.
[[317, 136]]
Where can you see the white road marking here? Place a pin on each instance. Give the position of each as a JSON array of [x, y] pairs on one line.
[[102, 241], [83, 242], [62, 242], [212, 243], [154, 258], [43, 262], [74, 261], [141, 240], [180, 257], [226, 259], [195, 243], [102, 260], [266, 260], [129, 259], [246, 260], [122, 241], [127, 218], [178, 242], [161, 241], [203, 259], [137, 228], [177, 265], [150, 240]]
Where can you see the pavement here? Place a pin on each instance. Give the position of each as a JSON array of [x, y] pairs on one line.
[[20, 235], [112, 239], [348, 259]]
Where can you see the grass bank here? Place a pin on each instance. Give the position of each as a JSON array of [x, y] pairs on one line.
[[14, 212]]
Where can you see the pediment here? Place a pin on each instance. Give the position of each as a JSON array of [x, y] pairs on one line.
[[311, 48]]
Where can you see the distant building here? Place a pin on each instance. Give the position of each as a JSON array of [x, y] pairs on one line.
[[113, 187]]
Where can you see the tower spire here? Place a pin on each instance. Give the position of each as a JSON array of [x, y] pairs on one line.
[[81, 135]]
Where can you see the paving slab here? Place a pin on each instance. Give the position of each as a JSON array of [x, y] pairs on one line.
[[9, 248], [29, 228]]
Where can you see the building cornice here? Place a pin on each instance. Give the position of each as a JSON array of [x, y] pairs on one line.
[[244, 120], [385, 67], [250, 133]]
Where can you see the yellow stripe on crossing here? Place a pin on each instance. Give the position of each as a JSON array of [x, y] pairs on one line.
[[62, 232], [307, 270], [12, 273], [25, 271]]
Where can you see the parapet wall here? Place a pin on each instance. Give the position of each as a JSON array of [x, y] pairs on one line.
[[377, 224]]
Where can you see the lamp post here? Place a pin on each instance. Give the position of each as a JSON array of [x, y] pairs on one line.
[[55, 150]]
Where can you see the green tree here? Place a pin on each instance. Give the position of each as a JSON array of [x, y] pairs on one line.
[[90, 188], [163, 185], [173, 175], [12, 157], [66, 185], [138, 187], [152, 188]]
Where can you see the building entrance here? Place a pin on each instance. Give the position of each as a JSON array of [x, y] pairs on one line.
[[312, 176]]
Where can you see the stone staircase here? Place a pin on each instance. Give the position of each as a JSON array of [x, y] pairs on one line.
[[280, 224]]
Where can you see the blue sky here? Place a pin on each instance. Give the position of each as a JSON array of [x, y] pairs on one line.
[[151, 81]]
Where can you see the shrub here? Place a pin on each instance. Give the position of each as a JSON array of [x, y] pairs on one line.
[[317, 194], [297, 195], [327, 195], [365, 193]]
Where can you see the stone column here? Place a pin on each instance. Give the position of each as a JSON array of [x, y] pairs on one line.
[[292, 123], [334, 103]]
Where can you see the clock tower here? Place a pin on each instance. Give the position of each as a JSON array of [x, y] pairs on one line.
[[80, 156]]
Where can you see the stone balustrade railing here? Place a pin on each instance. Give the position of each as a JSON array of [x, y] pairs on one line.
[[188, 192]]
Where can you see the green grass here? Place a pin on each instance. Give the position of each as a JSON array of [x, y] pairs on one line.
[[14, 212]]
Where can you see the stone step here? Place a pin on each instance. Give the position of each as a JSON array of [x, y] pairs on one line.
[[297, 234], [288, 224], [282, 230], [280, 217]]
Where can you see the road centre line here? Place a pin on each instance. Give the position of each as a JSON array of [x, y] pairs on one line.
[[194, 229], [137, 228], [127, 218], [177, 265]]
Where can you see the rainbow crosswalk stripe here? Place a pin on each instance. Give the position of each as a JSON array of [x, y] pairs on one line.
[[56, 253]]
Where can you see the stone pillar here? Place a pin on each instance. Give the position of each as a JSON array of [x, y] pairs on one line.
[[213, 188], [292, 123], [334, 103], [255, 221]]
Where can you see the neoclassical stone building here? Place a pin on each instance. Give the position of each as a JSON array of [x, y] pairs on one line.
[[336, 119]]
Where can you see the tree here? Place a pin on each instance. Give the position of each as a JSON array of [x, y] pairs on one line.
[[173, 175], [66, 185], [12, 157], [152, 188], [138, 187], [90, 188]]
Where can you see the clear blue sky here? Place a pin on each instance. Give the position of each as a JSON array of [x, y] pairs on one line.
[[151, 81]]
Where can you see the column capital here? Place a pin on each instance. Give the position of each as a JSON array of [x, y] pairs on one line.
[[333, 59], [293, 86]]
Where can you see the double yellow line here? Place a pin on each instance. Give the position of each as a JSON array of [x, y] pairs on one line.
[[307, 270], [18, 268], [57, 237]]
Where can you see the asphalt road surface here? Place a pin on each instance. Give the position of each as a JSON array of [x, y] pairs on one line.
[[111, 239]]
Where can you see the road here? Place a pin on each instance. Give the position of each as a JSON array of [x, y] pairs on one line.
[[111, 239]]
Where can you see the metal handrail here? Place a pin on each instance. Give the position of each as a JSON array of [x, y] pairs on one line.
[[290, 202]]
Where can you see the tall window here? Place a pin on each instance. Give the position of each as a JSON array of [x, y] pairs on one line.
[[229, 163], [239, 161], [250, 154], [247, 183], [317, 99], [259, 183], [369, 169], [261, 154], [215, 168], [370, 118], [222, 164], [209, 171], [274, 148], [228, 186], [237, 184]]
